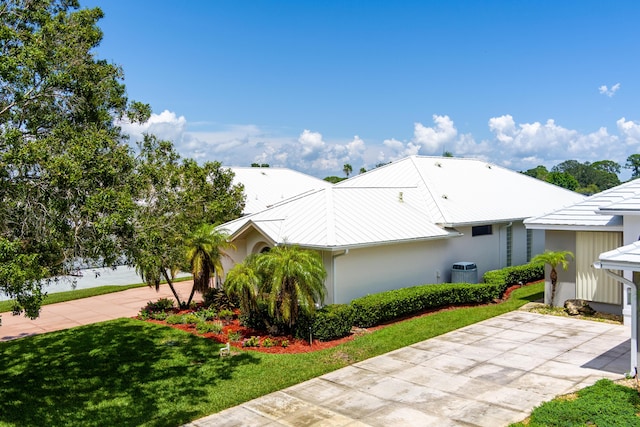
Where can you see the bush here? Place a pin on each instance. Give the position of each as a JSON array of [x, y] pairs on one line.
[[162, 304], [207, 314], [205, 327], [175, 319], [217, 299], [509, 276], [252, 342], [374, 309], [332, 322]]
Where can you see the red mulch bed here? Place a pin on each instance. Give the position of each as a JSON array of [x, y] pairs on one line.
[[294, 345]]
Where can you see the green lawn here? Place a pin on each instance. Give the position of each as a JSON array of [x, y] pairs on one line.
[[128, 373], [603, 404]]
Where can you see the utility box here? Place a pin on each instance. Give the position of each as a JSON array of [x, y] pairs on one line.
[[464, 272]]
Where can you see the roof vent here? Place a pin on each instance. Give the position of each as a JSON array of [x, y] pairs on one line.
[[438, 164], [400, 197], [444, 196], [488, 166]]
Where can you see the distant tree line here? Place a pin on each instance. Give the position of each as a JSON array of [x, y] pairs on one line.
[[586, 178]]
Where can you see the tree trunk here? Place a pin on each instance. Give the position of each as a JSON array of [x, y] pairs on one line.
[[554, 280], [170, 283]]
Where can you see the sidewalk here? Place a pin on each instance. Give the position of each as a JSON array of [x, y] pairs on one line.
[[63, 315]]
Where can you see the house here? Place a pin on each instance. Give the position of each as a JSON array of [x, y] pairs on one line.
[[264, 187], [407, 223], [598, 224]]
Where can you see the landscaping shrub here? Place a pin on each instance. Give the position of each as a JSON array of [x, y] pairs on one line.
[[377, 308], [218, 300], [162, 304], [175, 319], [513, 275], [332, 322], [374, 309], [205, 327]]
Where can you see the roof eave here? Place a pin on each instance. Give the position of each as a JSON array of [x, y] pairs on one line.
[[572, 227]]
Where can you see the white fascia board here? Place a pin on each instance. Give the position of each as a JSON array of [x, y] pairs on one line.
[[605, 211], [474, 223], [247, 226], [375, 244], [565, 227], [617, 265]]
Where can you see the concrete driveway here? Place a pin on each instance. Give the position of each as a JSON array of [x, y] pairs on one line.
[[490, 374]]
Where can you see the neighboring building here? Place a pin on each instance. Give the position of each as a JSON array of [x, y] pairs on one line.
[[600, 223], [267, 186], [407, 223]]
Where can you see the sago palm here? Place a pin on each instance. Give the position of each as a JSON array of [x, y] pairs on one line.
[[553, 258], [293, 281], [243, 282], [205, 248]]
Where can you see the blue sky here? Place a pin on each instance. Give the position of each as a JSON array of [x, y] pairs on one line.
[[314, 85]]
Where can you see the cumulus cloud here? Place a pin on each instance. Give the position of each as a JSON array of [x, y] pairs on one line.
[[519, 146], [433, 138], [532, 142], [629, 130], [166, 125], [604, 90]]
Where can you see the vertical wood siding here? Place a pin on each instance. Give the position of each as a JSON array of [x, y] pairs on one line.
[[593, 284]]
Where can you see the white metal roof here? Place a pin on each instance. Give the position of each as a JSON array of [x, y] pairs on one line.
[[459, 191], [413, 199], [623, 258], [345, 217], [267, 186], [600, 212]]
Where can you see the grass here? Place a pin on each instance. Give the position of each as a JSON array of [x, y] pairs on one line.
[[602, 404], [128, 372], [56, 297]]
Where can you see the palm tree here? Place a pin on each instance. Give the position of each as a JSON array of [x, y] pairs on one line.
[[243, 282], [205, 248], [347, 169], [553, 258], [294, 282]]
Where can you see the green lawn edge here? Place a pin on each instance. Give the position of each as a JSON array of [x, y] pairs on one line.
[[129, 372]]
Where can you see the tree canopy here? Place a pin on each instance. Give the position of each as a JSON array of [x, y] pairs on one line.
[[64, 164], [586, 178], [72, 190]]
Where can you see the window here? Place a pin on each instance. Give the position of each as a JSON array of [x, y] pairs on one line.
[[529, 244], [481, 230], [509, 245]]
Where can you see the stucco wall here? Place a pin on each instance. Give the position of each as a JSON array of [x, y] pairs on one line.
[[557, 240], [381, 268]]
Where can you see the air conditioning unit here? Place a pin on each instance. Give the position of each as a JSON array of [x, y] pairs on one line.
[[464, 272]]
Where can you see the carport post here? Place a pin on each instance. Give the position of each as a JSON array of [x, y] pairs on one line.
[[634, 316]]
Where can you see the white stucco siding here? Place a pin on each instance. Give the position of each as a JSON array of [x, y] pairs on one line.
[[566, 286], [376, 269]]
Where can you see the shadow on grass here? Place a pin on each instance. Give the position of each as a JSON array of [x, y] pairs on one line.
[[122, 372]]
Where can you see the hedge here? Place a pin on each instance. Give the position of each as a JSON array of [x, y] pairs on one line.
[[377, 308]]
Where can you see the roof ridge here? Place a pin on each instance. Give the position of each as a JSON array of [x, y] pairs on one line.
[[430, 194]]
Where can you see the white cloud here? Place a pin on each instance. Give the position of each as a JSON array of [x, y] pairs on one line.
[[519, 146], [166, 125], [604, 90], [630, 130], [522, 144], [433, 138]]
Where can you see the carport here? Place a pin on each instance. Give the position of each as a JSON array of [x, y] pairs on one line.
[[627, 259]]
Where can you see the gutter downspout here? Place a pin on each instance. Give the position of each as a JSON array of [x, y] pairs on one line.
[[634, 316], [333, 268]]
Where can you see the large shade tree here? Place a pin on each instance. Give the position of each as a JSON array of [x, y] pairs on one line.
[[174, 197], [64, 164]]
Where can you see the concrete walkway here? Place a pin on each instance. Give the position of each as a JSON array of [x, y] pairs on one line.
[[55, 317], [489, 374]]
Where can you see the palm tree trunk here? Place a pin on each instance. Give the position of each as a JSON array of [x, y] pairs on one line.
[[554, 280], [170, 283]]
